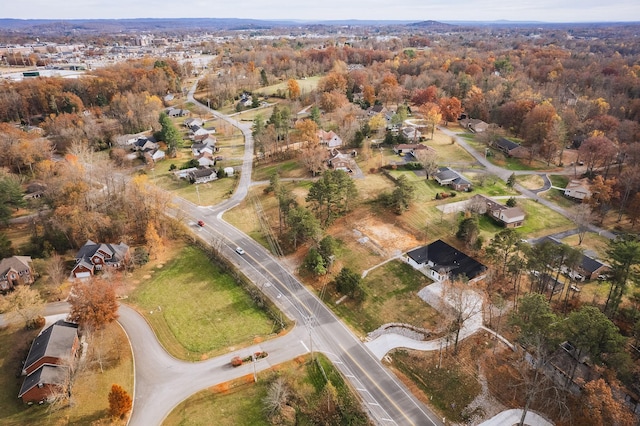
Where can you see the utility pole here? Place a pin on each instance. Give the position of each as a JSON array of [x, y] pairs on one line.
[[307, 320], [198, 192]]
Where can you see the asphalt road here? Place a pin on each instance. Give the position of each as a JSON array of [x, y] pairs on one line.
[[386, 399]]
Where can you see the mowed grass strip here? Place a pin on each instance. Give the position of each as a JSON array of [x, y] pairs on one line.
[[197, 310], [239, 406]]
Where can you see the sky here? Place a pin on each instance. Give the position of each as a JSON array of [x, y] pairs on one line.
[[405, 10]]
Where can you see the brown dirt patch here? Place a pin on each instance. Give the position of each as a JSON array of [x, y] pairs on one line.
[[387, 238]]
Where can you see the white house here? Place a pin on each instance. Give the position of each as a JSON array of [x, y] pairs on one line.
[[577, 189], [330, 139]]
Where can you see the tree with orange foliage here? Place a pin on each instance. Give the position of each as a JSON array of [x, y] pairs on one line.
[[120, 402], [431, 114], [600, 408], [293, 89], [602, 194], [307, 131], [451, 109], [93, 304], [334, 81]]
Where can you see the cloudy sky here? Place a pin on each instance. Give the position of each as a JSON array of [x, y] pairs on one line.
[[411, 10]]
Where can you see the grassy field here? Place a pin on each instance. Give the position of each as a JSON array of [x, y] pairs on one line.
[[306, 85], [89, 400], [287, 169], [560, 181], [197, 310], [557, 197], [530, 181], [391, 296]]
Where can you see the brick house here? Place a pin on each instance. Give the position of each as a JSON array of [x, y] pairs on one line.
[[510, 148], [15, 270], [49, 362], [94, 257], [509, 217]]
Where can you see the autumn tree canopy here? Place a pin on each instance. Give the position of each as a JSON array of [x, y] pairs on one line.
[[93, 304]]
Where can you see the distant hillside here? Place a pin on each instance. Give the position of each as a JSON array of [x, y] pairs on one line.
[[431, 25]]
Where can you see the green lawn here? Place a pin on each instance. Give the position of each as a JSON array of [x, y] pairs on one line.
[[557, 197], [197, 310], [541, 220], [560, 181], [287, 169], [391, 297]]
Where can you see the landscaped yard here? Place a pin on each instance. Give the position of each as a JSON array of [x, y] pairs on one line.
[[197, 310], [89, 398]]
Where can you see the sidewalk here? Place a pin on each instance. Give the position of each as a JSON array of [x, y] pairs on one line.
[[512, 417]]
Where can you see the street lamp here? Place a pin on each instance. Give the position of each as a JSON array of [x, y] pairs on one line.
[[198, 192]]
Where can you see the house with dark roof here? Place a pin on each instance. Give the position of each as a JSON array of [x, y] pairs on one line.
[[443, 261], [94, 257], [411, 148], [509, 217], [510, 148], [202, 175], [15, 270], [44, 382], [48, 363], [446, 176], [588, 268]]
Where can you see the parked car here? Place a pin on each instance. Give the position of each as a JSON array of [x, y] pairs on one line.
[[200, 223], [239, 250]]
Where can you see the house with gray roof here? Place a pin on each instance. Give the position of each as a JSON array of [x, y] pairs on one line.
[[49, 361], [15, 270], [94, 257], [509, 217], [202, 175], [446, 176]]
